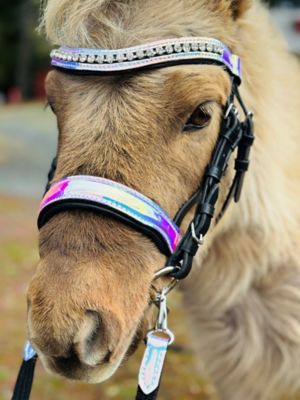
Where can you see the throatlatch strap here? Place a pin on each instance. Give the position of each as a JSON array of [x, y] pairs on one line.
[[25, 379]]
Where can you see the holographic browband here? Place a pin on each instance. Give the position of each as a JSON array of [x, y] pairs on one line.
[[160, 53], [111, 198]]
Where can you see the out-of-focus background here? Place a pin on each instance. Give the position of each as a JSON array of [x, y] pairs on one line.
[[28, 136]]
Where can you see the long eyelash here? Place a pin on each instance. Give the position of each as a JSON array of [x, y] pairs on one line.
[[207, 108]]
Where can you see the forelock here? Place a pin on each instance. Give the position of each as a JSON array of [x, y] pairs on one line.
[[121, 23]]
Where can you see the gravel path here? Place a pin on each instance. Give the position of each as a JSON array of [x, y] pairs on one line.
[[28, 135]]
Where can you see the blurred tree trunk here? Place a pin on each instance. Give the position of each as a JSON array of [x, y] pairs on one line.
[[23, 64]]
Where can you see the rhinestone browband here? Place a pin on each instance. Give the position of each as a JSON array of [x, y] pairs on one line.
[[161, 52]]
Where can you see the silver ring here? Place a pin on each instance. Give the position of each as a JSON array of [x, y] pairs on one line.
[[199, 240], [164, 271], [231, 105], [166, 332]]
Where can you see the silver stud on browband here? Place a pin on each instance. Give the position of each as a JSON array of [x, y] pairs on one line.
[[109, 56]]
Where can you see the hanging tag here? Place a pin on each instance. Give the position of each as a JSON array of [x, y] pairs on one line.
[[153, 361], [28, 352]]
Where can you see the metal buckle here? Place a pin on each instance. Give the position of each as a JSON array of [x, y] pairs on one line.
[[230, 108], [199, 240], [164, 271], [162, 320]]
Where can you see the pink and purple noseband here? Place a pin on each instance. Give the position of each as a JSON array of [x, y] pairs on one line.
[[115, 200]]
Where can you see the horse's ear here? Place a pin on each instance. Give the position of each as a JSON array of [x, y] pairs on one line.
[[236, 7]]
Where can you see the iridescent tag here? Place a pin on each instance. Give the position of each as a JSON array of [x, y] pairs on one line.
[[158, 341], [153, 361], [28, 352]]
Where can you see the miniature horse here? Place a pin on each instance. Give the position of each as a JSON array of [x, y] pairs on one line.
[[88, 302]]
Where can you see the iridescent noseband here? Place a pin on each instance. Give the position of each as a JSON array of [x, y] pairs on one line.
[[114, 200]]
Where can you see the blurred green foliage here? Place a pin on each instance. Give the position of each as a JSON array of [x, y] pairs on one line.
[[295, 3], [23, 51]]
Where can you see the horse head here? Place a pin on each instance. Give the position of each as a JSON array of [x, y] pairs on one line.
[[89, 302]]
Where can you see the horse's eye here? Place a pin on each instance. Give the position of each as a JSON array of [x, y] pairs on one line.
[[199, 119]]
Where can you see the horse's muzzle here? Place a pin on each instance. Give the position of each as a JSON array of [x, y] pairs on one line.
[[89, 354]]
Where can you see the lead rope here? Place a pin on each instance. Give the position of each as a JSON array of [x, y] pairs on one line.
[[26, 373], [142, 396], [25, 377]]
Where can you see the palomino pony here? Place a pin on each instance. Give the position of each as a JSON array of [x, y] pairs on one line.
[[89, 298]]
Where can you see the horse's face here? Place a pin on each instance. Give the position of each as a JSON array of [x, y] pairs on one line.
[[89, 298]]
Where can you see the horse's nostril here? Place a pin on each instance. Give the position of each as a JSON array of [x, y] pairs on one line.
[[91, 342], [106, 359], [93, 326]]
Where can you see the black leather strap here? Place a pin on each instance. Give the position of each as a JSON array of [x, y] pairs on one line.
[[142, 396], [234, 135], [51, 173], [24, 381]]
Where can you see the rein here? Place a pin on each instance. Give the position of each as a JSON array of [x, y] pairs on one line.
[[103, 196]]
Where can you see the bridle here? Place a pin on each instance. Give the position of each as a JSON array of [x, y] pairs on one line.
[[103, 196]]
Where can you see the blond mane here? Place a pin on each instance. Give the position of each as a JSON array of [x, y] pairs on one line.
[[113, 23]]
